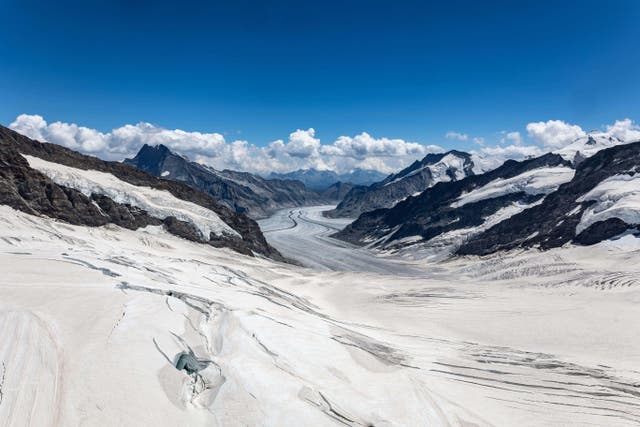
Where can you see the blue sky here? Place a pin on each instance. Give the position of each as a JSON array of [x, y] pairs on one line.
[[259, 71]]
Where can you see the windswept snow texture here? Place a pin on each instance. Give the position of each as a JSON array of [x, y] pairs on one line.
[[157, 203], [96, 324], [536, 181], [615, 197]]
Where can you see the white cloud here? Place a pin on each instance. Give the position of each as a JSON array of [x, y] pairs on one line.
[[478, 140], [70, 135], [554, 134], [301, 150], [624, 130], [302, 143], [490, 157], [364, 145], [512, 151], [376, 163], [514, 138], [456, 135]]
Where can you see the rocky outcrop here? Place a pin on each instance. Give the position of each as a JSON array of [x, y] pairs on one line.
[[433, 168], [28, 190], [240, 191]]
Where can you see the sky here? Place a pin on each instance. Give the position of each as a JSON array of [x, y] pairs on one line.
[[278, 85]]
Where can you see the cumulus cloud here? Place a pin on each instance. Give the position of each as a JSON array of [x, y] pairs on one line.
[[624, 130], [302, 143], [554, 134], [513, 137], [491, 156], [70, 135], [456, 135], [364, 145], [302, 149], [479, 140]]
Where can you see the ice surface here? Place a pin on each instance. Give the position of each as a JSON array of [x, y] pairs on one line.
[[536, 181], [157, 203], [615, 197], [92, 321]]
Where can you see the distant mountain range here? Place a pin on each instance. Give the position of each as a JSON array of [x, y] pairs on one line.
[[422, 174], [241, 191], [321, 180], [584, 194]]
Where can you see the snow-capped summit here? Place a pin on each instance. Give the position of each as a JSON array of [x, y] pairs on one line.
[[588, 145], [420, 175]]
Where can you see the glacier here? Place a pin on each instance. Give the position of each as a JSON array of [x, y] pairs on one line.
[[95, 321]]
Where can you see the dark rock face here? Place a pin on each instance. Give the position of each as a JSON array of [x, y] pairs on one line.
[[553, 223], [601, 230], [26, 189], [240, 191], [431, 213], [385, 194], [338, 191], [321, 180]]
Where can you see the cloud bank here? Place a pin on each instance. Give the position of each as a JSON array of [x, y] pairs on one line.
[[303, 149]]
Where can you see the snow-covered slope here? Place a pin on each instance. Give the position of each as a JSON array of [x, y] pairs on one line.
[[588, 145], [615, 197], [600, 202], [83, 190], [108, 326], [537, 181], [434, 168], [442, 218], [242, 192], [450, 167], [157, 203]]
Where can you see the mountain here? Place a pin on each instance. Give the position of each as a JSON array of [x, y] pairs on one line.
[[50, 180], [588, 145], [321, 180], [434, 168], [241, 191], [338, 190], [541, 202], [440, 219], [600, 202]]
